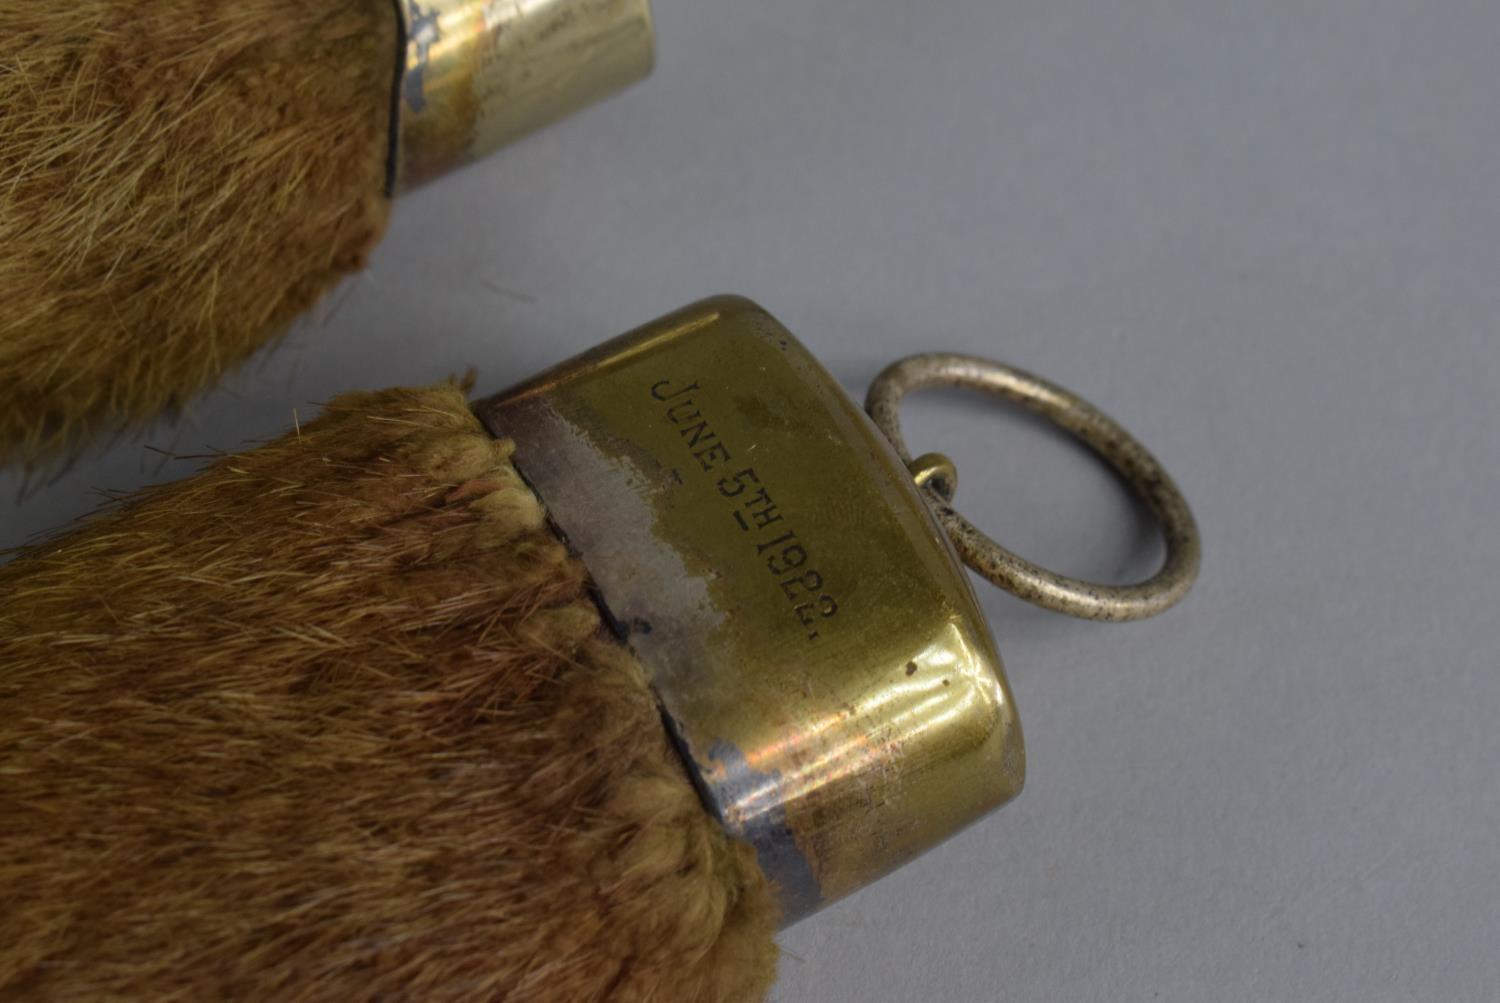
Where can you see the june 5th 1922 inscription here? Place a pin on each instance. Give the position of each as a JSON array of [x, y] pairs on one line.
[[753, 507]]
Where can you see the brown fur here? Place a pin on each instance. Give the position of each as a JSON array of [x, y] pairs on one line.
[[178, 180], [335, 720]]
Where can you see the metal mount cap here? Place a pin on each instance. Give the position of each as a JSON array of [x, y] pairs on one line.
[[477, 74], [813, 639]]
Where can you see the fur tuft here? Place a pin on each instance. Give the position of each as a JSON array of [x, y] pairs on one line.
[[178, 180], [336, 720]]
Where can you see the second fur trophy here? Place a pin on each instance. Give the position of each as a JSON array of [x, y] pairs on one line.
[[179, 180]]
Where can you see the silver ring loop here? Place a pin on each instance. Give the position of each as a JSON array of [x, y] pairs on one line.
[[1117, 447]]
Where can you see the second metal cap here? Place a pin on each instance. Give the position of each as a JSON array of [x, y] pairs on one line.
[[481, 73]]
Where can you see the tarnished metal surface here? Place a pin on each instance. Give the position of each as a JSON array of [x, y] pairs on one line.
[[1101, 433], [480, 73], [811, 635]]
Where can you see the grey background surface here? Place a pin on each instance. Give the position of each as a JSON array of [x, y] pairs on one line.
[[1263, 235]]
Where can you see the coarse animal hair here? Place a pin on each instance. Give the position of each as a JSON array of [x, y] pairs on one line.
[[336, 719], [178, 180]]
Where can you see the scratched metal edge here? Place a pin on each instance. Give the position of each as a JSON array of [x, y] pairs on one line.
[[622, 631], [551, 451]]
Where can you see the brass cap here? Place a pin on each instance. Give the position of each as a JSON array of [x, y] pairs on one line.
[[819, 655], [481, 73]]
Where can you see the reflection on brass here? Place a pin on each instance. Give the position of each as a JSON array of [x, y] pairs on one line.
[[813, 639], [480, 73], [937, 472]]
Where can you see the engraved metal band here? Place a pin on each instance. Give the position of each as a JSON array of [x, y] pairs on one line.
[[817, 650]]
